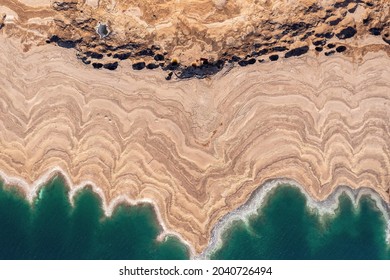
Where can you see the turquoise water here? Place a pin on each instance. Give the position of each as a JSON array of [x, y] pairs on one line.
[[283, 229], [53, 229], [286, 229]]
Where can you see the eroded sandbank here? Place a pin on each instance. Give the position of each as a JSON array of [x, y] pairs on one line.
[[197, 149]]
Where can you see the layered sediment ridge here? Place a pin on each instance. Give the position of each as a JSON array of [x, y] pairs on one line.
[[197, 148]]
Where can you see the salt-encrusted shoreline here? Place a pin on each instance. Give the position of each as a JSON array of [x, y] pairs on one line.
[[256, 200]]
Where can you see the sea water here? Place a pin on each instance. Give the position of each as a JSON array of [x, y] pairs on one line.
[[283, 228], [51, 228]]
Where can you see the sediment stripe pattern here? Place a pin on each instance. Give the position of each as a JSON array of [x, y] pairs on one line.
[[196, 148]]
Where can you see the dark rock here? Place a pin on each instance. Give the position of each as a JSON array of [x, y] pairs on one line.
[[130, 46], [262, 52], [353, 9], [307, 35], [122, 56], [251, 61], [202, 71], [97, 65], [334, 22], [243, 63], [330, 53], [319, 49], [220, 63], [346, 33], [85, 60], [68, 44], [139, 65], [146, 52], [274, 57], [293, 29], [169, 76], [279, 49], [297, 52], [342, 4], [299, 25], [367, 20], [96, 55], [236, 58], [54, 39], [152, 66], [172, 66], [331, 46], [111, 66], [158, 57], [204, 61], [375, 31], [327, 35], [341, 49], [261, 60], [319, 43]]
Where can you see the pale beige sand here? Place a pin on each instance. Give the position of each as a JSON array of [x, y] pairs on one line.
[[197, 148]]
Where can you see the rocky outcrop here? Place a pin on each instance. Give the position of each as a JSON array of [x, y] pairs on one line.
[[197, 38]]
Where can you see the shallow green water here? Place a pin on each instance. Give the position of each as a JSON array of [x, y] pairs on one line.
[[53, 229], [284, 229]]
